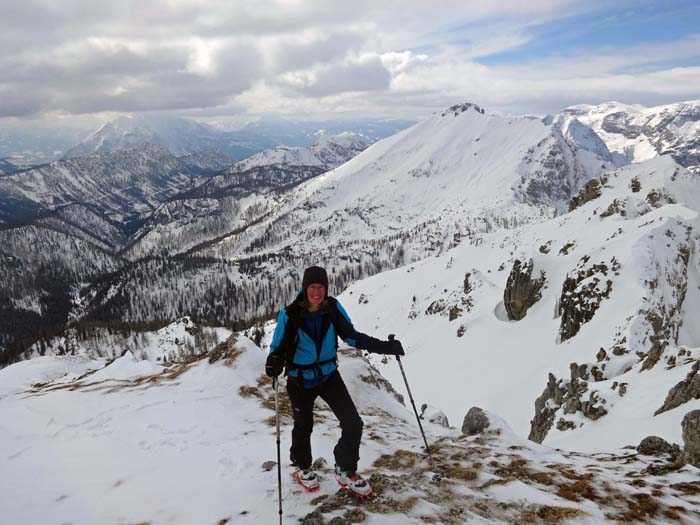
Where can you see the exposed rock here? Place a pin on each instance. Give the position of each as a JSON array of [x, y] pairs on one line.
[[568, 397], [684, 391], [564, 250], [319, 463], [654, 445], [691, 437], [461, 108], [467, 283], [545, 410], [635, 185], [616, 206], [590, 191], [455, 312], [659, 197], [475, 422], [620, 123], [564, 424], [591, 408], [434, 415], [522, 291], [582, 292], [268, 465], [657, 349]]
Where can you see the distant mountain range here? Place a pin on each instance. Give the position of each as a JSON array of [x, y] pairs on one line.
[[222, 226], [28, 147]]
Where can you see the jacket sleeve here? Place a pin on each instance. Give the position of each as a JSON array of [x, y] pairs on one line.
[[279, 331], [347, 333]]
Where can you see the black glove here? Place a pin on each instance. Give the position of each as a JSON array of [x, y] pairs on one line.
[[390, 347], [274, 365], [395, 347]]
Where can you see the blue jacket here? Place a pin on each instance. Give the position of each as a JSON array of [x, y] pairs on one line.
[[316, 352]]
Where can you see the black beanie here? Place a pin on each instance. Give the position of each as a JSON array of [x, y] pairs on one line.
[[314, 275]]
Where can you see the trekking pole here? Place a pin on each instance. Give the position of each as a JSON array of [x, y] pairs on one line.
[[275, 383], [410, 396]]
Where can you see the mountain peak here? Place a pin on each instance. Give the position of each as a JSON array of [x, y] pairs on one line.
[[461, 108]]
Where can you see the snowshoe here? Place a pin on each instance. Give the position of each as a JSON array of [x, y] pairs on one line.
[[356, 484], [307, 479]]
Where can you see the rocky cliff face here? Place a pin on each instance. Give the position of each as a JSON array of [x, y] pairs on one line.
[[636, 133], [522, 289]]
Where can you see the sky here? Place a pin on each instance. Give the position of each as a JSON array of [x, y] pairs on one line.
[[320, 59]]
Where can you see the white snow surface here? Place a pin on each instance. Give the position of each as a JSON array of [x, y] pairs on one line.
[[187, 446], [502, 365]]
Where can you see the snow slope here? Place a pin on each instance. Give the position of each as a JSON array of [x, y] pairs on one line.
[[463, 350], [463, 168], [128, 443], [635, 133]]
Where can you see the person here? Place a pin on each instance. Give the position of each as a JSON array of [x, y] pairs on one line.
[[305, 344]]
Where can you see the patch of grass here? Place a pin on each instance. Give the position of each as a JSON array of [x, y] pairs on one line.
[[319, 499], [543, 478], [578, 490], [641, 506], [550, 514], [401, 459], [691, 488], [226, 351], [458, 471]]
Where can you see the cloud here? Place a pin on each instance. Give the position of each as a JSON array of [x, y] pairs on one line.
[[366, 73], [313, 57]]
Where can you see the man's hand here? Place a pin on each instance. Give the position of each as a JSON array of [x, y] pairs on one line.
[[274, 365]]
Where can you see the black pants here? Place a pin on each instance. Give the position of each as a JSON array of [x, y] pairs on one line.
[[333, 392]]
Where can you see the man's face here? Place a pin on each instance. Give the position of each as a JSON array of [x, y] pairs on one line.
[[315, 294]]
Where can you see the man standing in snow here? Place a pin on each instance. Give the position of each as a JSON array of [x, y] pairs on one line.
[[305, 342]]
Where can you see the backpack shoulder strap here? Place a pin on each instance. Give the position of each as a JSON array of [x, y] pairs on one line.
[[290, 336]]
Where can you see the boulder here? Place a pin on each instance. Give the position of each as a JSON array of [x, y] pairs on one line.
[[475, 422], [691, 437], [653, 446], [434, 415]]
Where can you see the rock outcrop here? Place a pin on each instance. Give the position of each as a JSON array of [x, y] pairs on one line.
[[691, 437], [582, 292], [434, 415], [684, 391], [522, 290], [590, 191], [569, 397]]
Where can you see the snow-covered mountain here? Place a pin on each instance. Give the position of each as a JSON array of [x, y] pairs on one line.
[[186, 137], [7, 167], [180, 136], [124, 183], [597, 308], [457, 172], [32, 145], [327, 152], [235, 198], [636, 133]]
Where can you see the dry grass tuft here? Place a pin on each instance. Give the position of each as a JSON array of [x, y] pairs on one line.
[[641, 506], [401, 459], [458, 471], [691, 488], [578, 490], [226, 351], [550, 514]]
